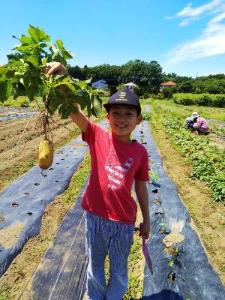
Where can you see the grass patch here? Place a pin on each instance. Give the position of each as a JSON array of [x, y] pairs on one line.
[[185, 111]]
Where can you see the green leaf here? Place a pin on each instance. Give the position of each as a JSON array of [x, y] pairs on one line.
[[23, 75], [66, 109], [65, 54], [6, 89], [25, 39], [33, 60], [19, 90], [25, 49], [9, 89], [88, 80], [60, 45], [171, 263], [44, 61], [89, 109], [82, 84], [98, 101], [54, 100], [94, 111], [65, 88], [3, 70], [83, 99], [37, 35]]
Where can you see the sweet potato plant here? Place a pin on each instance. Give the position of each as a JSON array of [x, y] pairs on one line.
[[24, 75]]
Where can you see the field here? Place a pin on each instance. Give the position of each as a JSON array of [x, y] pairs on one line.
[[207, 214], [19, 141]]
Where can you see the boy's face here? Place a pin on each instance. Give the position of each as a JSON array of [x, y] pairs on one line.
[[123, 120]]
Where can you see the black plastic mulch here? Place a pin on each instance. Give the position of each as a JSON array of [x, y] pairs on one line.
[[61, 273], [187, 273], [23, 203]]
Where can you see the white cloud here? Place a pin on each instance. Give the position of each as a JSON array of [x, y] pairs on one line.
[[190, 12], [185, 23], [211, 42]]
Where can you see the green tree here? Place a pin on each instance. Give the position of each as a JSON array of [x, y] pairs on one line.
[[147, 76], [185, 87]]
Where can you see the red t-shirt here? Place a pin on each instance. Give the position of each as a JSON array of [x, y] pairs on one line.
[[114, 166]]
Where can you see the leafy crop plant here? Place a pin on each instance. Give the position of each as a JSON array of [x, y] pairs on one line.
[[24, 75]]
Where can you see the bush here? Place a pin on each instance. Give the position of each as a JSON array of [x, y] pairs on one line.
[[160, 96], [20, 101], [168, 92], [146, 96], [216, 100]]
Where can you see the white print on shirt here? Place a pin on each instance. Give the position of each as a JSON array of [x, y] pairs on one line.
[[115, 171]]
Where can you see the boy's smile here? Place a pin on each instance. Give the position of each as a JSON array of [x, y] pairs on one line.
[[123, 120]]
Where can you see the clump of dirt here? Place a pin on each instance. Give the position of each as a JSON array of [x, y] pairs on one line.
[[10, 234], [175, 236], [172, 239]]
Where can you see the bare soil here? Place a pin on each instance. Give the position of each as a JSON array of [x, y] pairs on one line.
[[19, 141], [217, 141]]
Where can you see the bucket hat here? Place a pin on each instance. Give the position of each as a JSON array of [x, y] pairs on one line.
[[194, 115]]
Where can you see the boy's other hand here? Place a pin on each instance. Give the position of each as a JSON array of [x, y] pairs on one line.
[[144, 230], [55, 68]]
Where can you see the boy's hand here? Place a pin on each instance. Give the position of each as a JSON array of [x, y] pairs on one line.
[[144, 230], [55, 68]]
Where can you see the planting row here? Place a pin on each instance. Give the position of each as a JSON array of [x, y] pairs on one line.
[[208, 161]]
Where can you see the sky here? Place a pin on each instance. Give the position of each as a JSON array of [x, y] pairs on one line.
[[187, 38]]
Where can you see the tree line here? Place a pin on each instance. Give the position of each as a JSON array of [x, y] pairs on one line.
[[148, 76]]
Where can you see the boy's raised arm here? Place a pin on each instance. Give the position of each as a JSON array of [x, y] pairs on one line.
[[78, 117]]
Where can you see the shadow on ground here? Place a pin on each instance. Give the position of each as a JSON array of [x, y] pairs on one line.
[[163, 295]]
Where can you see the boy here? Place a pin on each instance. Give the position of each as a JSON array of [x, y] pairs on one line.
[[116, 161]]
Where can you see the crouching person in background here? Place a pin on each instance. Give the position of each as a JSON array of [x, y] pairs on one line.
[[200, 125]]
